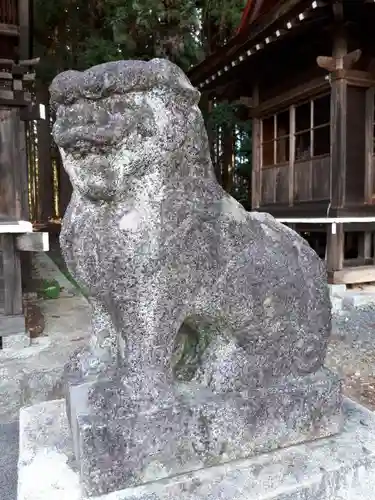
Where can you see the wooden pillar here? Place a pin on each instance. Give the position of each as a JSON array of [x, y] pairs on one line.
[[256, 179], [23, 169], [45, 177], [12, 276], [227, 168], [338, 122], [292, 142], [24, 23], [335, 247], [13, 165], [211, 138], [369, 144], [11, 205], [364, 245], [23, 173]]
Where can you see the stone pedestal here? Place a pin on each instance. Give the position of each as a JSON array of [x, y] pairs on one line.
[[341, 467], [124, 438]]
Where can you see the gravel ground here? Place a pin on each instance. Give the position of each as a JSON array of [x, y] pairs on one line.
[[351, 353]]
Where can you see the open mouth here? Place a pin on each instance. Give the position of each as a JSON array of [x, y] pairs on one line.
[[84, 139]]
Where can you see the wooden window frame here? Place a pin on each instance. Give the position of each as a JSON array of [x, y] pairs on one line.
[[295, 133], [275, 140]]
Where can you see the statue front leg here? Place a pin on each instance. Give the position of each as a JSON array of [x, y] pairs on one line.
[[101, 354], [95, 361], [103, 345], [147, 338]]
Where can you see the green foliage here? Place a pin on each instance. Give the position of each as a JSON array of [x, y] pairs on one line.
[[79, 33], [226, 116], [50, 289], [226, 14], [223, 114]]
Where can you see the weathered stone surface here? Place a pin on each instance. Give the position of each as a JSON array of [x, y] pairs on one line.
[[186, 287], [144, 441], [336, 468]]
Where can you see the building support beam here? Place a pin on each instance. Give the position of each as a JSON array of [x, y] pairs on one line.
[[338, 121], [256, 179], [365, 246], [335, 247], [24, 23]]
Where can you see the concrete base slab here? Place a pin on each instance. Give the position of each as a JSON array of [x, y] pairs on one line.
[[337, 290], [336, 468], [358, 299], [345, 299], [337, 304]]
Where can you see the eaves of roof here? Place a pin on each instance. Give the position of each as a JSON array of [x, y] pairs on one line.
[[253, 10], [263, 20]]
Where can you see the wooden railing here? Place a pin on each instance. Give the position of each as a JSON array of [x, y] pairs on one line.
[[311, 181]]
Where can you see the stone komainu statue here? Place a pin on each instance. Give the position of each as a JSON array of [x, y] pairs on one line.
[[196, 304]]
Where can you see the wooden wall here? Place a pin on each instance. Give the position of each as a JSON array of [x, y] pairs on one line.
[[355, 145], [13, 181], [311, 182], [15, 32], [310, 179], [9, 29], [9, 12]]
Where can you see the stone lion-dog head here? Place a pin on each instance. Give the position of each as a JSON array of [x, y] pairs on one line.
[[119, 123]]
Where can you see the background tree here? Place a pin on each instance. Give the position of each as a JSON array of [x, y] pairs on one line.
[[78, 34]]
